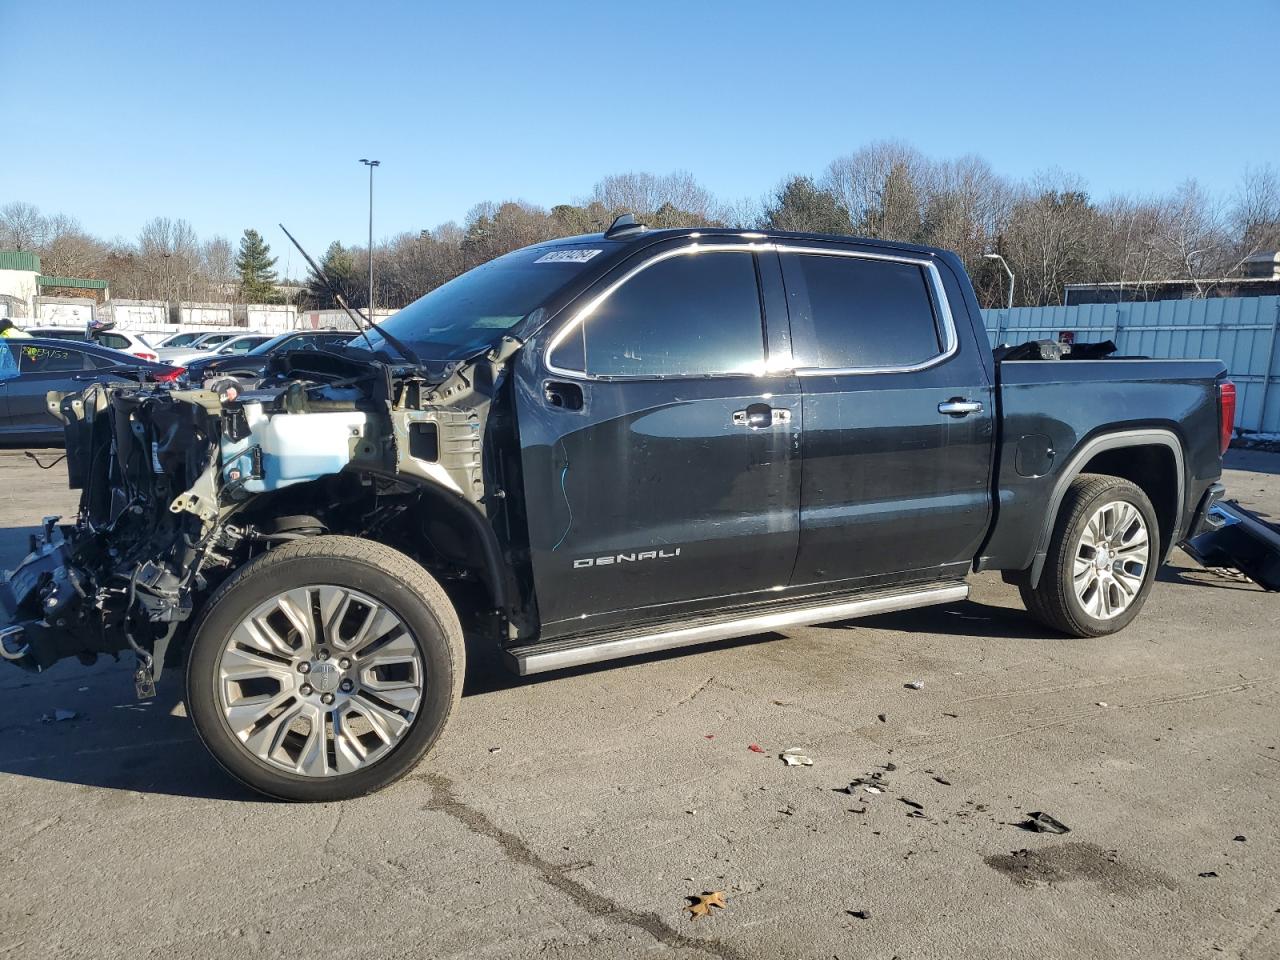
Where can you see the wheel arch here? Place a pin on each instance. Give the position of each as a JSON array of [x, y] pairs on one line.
[[1152, 459]]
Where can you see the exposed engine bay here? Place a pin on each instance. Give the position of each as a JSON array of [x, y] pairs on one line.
[[181, 486]]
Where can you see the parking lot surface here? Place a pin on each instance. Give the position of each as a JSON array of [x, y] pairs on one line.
[[572, 815]]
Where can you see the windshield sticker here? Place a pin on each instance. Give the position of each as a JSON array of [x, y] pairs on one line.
[[567, 256]]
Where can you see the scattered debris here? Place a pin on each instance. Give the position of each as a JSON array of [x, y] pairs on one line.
[[942, 780], [914, 685], [755, 748], [81, 689], [859, 810], [883, 718], [859, 914], [58, 715], [890, 766], [1239, 838], [701, 905], [1102, 703], [495, 749], [795, 757], [873, 790], [708, 736], [953, 716], [1237, 538], [1039, 822], [911, 803], [1207, 874]]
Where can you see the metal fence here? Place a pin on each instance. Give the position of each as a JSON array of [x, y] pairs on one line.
[[1240, 331]]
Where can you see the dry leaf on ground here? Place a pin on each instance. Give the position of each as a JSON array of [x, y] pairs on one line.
[[702, 904]]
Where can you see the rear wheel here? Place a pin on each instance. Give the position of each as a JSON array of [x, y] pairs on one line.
[[1102, 559], [325, 669]]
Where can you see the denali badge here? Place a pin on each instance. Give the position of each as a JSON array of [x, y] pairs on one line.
[[626, 558]]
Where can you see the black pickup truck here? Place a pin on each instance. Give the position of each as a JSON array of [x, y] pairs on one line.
[[594, 448]]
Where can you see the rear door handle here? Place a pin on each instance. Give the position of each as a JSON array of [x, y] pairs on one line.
[[959, 407], [760, 415]]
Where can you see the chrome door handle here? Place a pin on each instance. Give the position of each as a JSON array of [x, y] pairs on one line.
[[956, 407], [760, 415]]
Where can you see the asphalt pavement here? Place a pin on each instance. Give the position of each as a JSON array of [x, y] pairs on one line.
[[573, 815]]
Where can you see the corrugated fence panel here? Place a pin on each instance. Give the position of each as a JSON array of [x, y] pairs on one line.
[[1240, 331]]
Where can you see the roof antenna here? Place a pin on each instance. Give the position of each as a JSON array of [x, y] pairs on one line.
[[624, 226]]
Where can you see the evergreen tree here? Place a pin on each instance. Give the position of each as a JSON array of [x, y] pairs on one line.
[[257, 269], [340, 267]]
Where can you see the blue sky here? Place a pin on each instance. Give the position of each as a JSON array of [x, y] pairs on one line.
[[238, 114]]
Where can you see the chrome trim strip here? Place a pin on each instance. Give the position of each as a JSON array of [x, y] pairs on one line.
[[950, 341], [536, 661]]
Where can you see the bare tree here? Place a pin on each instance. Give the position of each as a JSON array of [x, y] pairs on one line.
[[21, 226], [1192, 240], [880, 185], [1255, 215], [217, 269], [645, 194]]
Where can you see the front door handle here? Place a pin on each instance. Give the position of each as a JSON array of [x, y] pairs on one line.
[[757, 416], [959, 407]]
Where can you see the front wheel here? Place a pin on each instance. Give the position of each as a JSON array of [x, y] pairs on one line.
[[324, 669], [1102, 559]]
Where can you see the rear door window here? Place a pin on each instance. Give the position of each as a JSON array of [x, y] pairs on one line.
[[851, 312], [113, 340], [689, 314]]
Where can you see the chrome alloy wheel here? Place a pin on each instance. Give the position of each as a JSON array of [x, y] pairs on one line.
[[320, 681], [1111, 560]]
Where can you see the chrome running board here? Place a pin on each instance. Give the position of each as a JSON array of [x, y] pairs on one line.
[[558, 654]]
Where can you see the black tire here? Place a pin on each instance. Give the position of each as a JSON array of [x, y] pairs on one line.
[[385, 575], [1053, 600]]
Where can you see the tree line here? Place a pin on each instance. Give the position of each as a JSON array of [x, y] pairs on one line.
[[1049, 229]]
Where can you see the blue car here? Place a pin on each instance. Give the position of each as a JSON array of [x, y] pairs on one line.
[[32, 366]]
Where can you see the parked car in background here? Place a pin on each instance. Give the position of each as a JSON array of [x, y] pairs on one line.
[[31, 367], [134, 344], [233, 346], [205, 341], [188, 339], [253, 363]]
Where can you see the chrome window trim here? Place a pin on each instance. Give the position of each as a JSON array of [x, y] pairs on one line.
[[951, 342], [582, 315]]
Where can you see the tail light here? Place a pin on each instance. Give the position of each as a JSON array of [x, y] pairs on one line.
[[143, 355], [168, 376], [1226, 413]]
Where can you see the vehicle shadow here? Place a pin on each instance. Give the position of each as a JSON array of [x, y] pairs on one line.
[[1214, 578], [113, 741], [966, 618], [84, 726], [486, 672], [1253, 460]]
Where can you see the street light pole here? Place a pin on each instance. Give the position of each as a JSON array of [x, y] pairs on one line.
[[996, 256], [371, 164]]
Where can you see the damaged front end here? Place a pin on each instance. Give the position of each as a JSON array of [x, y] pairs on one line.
[[180, 487]]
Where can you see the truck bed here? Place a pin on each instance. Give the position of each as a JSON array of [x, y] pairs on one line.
[[1053, 416]]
